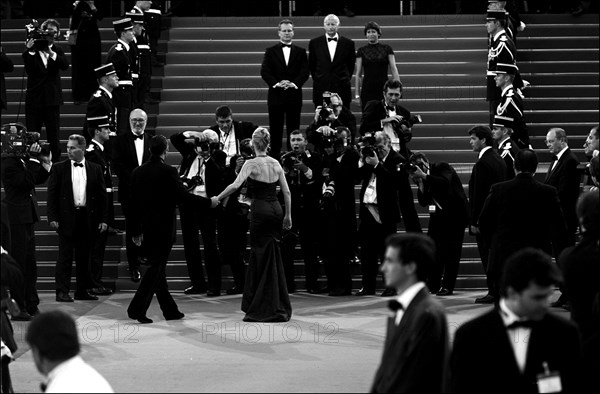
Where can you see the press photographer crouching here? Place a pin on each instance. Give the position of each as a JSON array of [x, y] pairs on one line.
[[202, 172], [440, 189], [25, 163], [303, 174], [43, 61], [329, 117], [340, 170]]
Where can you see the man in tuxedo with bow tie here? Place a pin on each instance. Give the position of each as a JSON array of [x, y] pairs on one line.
[[285, 70], [130, 150], [519, 346], [331, 62], [416, 346], [77, 211]]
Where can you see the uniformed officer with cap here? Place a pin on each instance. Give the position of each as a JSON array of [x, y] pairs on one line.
[[99, 132], [507, 148], [134, 55], [101, 103], [152, 19], [142, 90], [119, 56], [511, 102]]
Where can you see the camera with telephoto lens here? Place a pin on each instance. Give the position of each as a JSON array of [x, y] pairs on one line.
[[207, 146], [366, 145], [326, 110], [410, 165], [191, 183], [16, 141], [39, 36]]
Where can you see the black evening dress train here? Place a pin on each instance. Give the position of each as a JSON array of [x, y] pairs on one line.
[[265, 294]]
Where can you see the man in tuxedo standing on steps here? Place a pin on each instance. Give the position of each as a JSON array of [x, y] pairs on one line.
[[488, 170], [331, 61], [285, 70], [130, 150]]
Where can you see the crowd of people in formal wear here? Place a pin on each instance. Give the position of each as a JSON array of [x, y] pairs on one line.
[[290, 185]]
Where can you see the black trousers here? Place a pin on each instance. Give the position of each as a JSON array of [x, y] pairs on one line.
[[49, 116], [372, 237], [23, 251], [304, 229], [77, 246], [197, 220], [233, 228], [448, 242], [153, 282], [277, 115], [97, 259], [133, 251], [484, 253]]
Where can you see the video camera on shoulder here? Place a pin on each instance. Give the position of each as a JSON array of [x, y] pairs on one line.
[[16, 141], [40, 37], [366, 145]]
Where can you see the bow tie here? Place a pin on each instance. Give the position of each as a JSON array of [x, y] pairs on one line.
[[141, 136], [286, 45], [520, 323], [78, 164], [331, 39], [395, 306], [390, 107], [554, 157]]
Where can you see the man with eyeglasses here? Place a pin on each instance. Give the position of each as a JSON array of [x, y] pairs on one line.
[[130, 150], [324, 127], [285, 70]]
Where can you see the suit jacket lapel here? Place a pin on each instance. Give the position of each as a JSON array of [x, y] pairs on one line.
[[504, 350], [325, 49], [146, 154], [89, 175], [279, 54], [68, 182]]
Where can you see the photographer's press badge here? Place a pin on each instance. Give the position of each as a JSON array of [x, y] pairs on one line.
[[549, 382]]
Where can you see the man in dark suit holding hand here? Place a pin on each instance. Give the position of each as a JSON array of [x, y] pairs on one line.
[[416, 345], [156, 189], [331, 61], [285, 70], [77, 211]]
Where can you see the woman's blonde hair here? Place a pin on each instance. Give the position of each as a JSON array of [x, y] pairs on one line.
[[261, 138]]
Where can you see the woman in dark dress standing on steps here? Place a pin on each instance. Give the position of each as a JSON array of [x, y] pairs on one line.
[[374, 59], [265, 293], [86, 54]]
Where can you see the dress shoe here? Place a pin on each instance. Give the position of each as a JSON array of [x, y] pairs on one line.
[[194, 290], [389, 292], [85, 297], [213, 293], [101, 291], [340, 292], [33, 311], [562, 300], [62, 297], [487, 299], [135, 275], [144, 320], [234, 290], [444, 292], [22, 316], [176, 316], [364, 292]]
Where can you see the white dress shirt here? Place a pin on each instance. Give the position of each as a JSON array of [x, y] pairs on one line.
[[139, 149], [286, 53], [518, 337], [79, 181], [558, 156], [229, 144], [406, 298], [198, 167], [76, 376], [332, 45], [483, 151]]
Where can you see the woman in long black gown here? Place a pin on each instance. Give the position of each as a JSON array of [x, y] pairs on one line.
[[265, 293], [86, 54]]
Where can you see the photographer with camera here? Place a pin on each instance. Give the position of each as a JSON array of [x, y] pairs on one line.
[[396, 122], [43, 61], [440, 189], [22, 170], [340, 170], [303, 174], [202, 171], [379, 210], [328, 118]]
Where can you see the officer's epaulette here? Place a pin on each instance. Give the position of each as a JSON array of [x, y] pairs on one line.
[[510, 93], [119, 47], [507, 146], [90, 148], [503, 38], [98, 93]]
